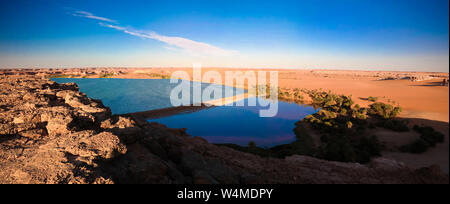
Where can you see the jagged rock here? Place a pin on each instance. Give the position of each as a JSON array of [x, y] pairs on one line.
[[58, 119], [84, 144], [139, 165], [18, 120], [124, 127]]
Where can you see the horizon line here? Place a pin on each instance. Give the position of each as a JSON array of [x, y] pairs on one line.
[[225, 67]]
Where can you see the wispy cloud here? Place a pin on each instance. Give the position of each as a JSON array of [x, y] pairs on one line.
[[190, 46], [85, 14]]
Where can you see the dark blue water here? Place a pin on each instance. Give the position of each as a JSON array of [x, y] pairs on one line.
[[240, 125], [222, 124]]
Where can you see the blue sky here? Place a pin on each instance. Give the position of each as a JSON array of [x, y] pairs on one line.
[[328, 34]]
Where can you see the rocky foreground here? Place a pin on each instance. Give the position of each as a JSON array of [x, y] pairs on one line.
[[52, 133]]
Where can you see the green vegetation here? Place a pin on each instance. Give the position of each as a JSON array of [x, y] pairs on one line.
[[345, 149], [266, 91], [386, 111], [342, 127], [429, 135], [60, 76], [106, 75], [290, 95], [428, 138], [368, 147], [394, 125], [304, 145], [338, 148], [156, 75], [372, 99]]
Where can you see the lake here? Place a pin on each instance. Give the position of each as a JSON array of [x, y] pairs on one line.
[[130, 95], [217, 124]]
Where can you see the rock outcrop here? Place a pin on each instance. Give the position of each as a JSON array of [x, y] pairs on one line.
[[52, 133]]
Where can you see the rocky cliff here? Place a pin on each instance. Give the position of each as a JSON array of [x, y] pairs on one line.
[[52, 133]]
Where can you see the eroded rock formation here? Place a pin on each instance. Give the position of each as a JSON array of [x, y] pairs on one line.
[[52, 133]]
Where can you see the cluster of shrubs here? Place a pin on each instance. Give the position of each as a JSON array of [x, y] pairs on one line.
[[293, 95], [61, 76], [347, 149], [337, 113], [428, 138], [156, 75], [338, 148], [385, 111], [347, 144], [106, 75], [394, 125], [342, 127], [372, 99], [265, 90]]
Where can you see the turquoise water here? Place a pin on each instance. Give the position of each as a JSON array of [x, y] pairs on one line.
[[130, 95], [222, 124]]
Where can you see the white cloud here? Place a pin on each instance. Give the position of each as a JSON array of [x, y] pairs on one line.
[[85, 14], [190, 46]]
